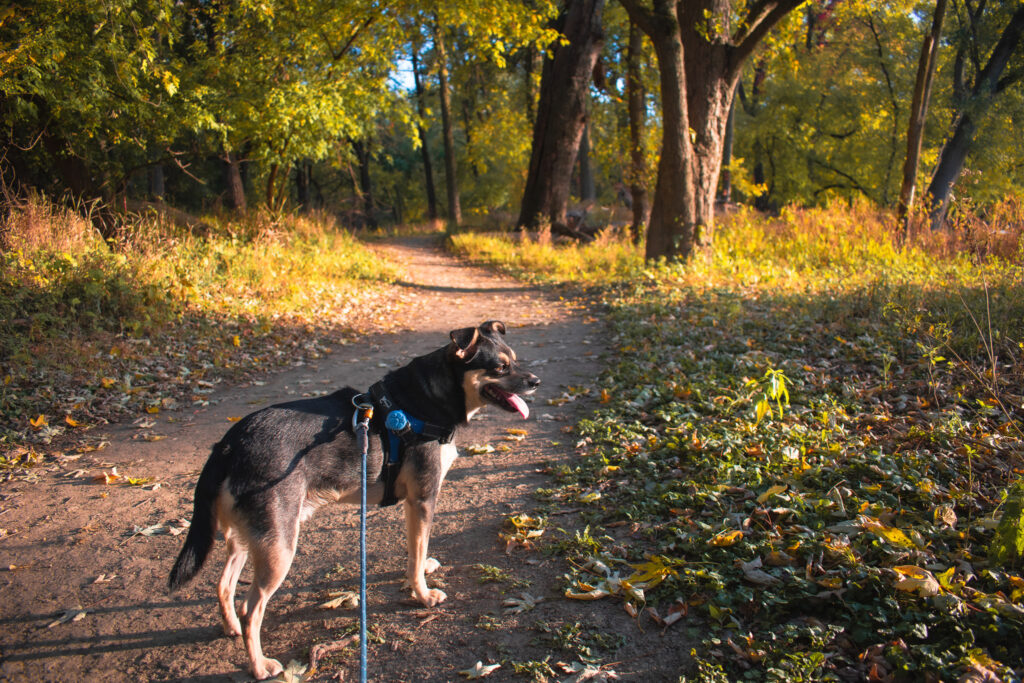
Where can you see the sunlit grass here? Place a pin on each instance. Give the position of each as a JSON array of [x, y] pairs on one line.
[[209, 299]]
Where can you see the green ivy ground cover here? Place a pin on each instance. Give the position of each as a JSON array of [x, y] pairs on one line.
[[804, 484]]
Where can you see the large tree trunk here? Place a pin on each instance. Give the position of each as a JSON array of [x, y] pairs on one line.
[[918, 113], [987, 85], [700, 54], [670, 232], [561, 114], [637, 174], [428, 167], [450, 171]]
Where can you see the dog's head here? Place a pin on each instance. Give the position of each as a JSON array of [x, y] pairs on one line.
[[492, 374]]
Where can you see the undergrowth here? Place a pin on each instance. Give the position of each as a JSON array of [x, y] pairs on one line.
[[803, 449], [90, 328]]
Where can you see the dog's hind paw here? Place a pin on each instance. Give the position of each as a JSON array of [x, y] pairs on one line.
[[267, 668], [431, 566]]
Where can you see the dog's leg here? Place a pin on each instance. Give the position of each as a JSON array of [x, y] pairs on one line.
[[418, 517], [237, 555], [271, 561]]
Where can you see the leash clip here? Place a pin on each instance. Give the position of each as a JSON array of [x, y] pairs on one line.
[[363, 410]]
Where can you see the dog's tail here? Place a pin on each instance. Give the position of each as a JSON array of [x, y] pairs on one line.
[[201, 532]]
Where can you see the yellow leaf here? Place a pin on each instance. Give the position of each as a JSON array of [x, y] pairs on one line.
[[917, 580], [39, 422], [595, 594], [234, 419], [726, 538], [889, 533], [152, 410], [153, 437], [107, 382], [778, 488], [605, 396], [71, 421], [236, 341]]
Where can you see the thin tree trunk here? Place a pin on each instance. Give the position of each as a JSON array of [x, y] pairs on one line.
[[918, 113], [588, 189], [365, 185], [725, 196], [637, 124], [986, 86], [236, 188], [271, 182], [428, 168], [450, 171], [561, 114]]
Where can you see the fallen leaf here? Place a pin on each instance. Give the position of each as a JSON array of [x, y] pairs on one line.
[[917, 580], [524, 603], [71, 422], [773, 490], [71, 615], [480, 449], [342, 599], [726, 538], [38, 423], [479, 670]]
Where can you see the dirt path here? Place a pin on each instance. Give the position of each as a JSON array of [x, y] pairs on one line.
[[75, 545]]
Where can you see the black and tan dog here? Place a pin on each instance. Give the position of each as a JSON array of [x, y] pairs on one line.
[[275, 467]]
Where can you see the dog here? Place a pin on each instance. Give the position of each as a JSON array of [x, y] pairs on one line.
[[277, 466]]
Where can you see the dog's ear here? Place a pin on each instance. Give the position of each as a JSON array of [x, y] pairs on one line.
[[465, 342], [493, 326]]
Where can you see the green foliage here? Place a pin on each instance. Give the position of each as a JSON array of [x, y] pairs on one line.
[[1008, 545]]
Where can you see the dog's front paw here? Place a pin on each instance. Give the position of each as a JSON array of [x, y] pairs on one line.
[[266, 668], [431, 566], [432, 597]]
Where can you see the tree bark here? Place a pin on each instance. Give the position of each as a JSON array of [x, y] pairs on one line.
[[303, 182], [561, 114], [450, 171], [236, 188], [918, 113], [365, 185], [725, 196], [987, 85], [700, 55], [637, 123], [428, 167], [588, 188]]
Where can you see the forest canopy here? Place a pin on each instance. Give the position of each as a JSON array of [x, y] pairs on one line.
[[363, 109]]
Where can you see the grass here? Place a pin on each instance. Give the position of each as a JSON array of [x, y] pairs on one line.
[[841, 529], [91, 330]]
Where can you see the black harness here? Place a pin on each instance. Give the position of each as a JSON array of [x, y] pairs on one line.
[[399, 431]]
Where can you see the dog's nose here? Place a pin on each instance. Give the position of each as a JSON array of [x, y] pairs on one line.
[[533, 381]]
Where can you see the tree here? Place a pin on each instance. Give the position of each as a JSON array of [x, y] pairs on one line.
[[561, 115], [637, 112], [701, 47], [919, 112], [451, 179], [990, 80], [421, 109]]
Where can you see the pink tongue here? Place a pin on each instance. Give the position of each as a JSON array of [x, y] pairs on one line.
[[519, 404]]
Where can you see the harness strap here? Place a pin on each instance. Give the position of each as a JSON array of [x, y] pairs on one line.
[[400, 429]]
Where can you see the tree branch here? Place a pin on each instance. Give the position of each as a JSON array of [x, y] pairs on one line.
[[762, 16]]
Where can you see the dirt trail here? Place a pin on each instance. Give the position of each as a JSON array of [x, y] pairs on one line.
[[71, 544]]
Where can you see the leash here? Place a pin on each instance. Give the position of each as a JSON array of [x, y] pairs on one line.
[[361, 425]]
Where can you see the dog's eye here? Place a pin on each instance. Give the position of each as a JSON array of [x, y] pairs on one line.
[[501, 369]]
